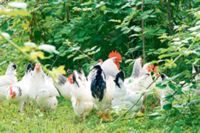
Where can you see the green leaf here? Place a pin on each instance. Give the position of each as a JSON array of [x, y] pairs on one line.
[[169, 98], [161, 85], [167, 106], [79, 57], [14, 12], [172, 86]]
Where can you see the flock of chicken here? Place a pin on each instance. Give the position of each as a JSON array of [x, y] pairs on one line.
[[104, 88], [35, 84]]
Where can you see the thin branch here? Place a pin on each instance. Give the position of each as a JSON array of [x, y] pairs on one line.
[[143, 38], [16, 46], [136, 101], [25, 54]]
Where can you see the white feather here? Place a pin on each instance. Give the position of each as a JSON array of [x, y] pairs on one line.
[[6, 80], [65, 89], [137, 68], [109, 67], [124, 98], [81, 97], [43, 90]]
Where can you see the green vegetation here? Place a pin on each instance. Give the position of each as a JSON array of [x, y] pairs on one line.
[[83, 31]]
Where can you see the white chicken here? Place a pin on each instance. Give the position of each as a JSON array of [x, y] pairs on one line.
[[146, 83], [189, 86], [196, 79], [7, 79], [140, 79], [163, 93], [19, 91], [137, 68], [42, 89], [65, 86], [81, 96], [124, 98]]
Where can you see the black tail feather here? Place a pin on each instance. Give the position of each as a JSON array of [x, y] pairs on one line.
[[75, 80], [121, 76], [61, 79], [98, 84]]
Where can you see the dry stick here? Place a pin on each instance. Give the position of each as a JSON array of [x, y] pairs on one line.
[[136, 102]]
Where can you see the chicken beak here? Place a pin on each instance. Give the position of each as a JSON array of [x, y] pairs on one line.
[[37, 67]]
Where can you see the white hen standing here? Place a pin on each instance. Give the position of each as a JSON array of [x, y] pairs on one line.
[[19, 91], [140, 79], [7, 79], [124, 98], [42, 89], [65, 86], [81, 97]]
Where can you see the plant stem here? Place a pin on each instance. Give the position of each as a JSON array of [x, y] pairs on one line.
[[143, 39], [16, 46], [26, 55], [136, 101]]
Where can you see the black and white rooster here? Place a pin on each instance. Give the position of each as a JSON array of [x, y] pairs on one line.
[[102, 82]]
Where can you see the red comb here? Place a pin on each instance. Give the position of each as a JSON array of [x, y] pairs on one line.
[[115, 54]]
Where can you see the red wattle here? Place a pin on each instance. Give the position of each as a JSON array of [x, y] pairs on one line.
[[117, 64], [70, 79], [11, 91]]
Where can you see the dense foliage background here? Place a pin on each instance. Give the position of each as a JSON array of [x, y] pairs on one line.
[[84, 31]]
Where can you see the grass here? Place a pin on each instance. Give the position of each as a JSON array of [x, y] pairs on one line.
[[63, 119]]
